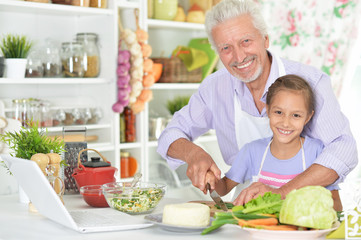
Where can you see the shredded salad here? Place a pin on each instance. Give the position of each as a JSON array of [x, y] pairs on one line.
[[136, 200]]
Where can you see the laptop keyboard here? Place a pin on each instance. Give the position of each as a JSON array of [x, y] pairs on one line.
[[89, 219]]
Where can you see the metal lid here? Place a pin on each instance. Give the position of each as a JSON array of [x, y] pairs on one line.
[[124, 154], [95, 162], [87, 35]]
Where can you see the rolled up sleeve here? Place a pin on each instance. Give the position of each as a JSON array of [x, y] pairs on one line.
[[331, 126], [190, 122]]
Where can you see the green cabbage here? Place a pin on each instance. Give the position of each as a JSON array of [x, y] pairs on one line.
[[310, 206]]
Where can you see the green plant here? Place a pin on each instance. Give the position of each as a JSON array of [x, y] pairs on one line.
[[15, 46], [29, 141], [177, 103]]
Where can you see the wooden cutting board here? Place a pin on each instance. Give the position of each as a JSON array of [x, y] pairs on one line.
[[211, 206], [77, 138]]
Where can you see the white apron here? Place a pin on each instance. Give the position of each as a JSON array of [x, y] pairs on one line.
[[284, 181], [249, 128]]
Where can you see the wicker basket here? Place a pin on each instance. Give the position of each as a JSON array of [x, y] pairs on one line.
[[174, 71]]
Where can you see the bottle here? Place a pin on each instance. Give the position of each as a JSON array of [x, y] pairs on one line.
[[98, 3], [129, 119], [92, 66], [124, 164], [122, 128]]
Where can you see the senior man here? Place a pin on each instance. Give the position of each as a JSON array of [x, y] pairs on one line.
[[232, 101]]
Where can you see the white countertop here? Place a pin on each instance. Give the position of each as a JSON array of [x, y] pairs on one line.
[[16, 222]]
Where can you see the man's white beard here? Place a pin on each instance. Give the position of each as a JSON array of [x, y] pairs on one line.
[[257, 73]]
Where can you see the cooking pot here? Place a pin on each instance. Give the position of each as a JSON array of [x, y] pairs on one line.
[[94, 172]]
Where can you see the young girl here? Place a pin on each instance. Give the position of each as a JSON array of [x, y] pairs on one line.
[[277, 160]]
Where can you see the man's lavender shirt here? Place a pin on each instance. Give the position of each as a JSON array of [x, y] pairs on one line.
[[212, 107]]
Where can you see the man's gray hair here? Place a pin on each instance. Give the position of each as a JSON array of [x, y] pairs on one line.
[[228, 9]]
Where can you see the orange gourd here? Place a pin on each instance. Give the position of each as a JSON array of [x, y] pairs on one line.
[[157, 71]]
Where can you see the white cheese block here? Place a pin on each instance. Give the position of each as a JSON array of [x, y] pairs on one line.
[[186, 214]]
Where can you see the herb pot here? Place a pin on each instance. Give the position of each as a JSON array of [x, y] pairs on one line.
[[15, 67]]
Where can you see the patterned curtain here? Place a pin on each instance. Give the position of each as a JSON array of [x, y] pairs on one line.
[[321, 33]]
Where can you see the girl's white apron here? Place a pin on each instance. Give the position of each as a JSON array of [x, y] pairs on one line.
[[249, 128]]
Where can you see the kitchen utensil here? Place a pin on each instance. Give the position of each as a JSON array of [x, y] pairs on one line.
[[216, 198], [144, 196], [72, 150], [95, 172], [93, 195], [137, 176]]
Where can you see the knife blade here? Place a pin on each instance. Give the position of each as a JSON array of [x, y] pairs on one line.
[[216, 198]]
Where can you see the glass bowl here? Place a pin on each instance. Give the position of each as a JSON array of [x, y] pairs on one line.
[[142, 198], [93, 195]]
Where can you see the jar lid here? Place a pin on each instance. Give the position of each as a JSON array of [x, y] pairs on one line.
[[71, 43], [87, 35], [124, 154]]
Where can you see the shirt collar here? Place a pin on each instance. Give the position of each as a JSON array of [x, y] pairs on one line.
[[274, 74], [240, 86]]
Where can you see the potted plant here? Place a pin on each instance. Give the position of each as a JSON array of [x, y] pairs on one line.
[[177, 103], [15, 49], [34, 144]]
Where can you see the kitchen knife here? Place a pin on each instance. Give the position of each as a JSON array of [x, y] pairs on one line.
[[216, 198]]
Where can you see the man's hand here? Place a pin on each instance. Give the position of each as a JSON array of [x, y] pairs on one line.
[[212, 180], [256, 189], [199, 161]]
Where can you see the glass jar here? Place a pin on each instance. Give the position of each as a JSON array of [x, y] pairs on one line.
[[34, 111], [165, 9], [92, 66], [124, 164], [21, 111], [46, 116], [96, 115], [59, 117], [87, 115], [80, 3], [78, 116], [98, 3], [16, 109], [51, 59], [73, 59], [34, 66]]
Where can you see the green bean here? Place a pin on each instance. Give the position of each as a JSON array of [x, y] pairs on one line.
[[224, 221], [211, 228]]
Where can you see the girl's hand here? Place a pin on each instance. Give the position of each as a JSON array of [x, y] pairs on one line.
[[256, 189]]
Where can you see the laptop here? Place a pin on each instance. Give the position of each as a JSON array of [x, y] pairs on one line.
[[48, 203]]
